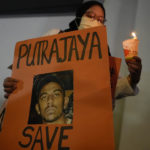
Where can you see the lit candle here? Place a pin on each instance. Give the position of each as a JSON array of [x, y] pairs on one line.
[[134, 35], [130, 46]]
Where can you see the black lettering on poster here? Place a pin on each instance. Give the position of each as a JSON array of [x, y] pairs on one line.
[[29, 132], [46, 50], [2, 118]]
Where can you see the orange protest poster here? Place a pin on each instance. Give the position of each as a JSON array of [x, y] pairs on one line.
[[63, 98]]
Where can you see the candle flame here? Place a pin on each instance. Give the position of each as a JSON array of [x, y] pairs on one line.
[[134, 35]]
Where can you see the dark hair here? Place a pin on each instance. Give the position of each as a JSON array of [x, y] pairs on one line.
[[85, 6], [73, 25], [41, 80]]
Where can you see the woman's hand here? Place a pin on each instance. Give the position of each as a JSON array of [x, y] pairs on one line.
[[134, 67], [9, 84]]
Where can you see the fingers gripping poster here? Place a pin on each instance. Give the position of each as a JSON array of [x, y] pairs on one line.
[[63, 97]]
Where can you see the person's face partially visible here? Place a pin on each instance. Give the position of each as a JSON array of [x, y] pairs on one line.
[[51, 102], [96, 12]]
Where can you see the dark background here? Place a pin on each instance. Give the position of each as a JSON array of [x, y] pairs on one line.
[[9, 7]]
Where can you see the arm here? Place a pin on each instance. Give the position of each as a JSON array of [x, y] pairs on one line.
[[128, 86], [134, 67]]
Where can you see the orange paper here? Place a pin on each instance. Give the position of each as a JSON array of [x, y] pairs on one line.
[[80, 59]]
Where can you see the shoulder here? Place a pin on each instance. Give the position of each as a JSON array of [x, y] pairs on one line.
[[52, 32]]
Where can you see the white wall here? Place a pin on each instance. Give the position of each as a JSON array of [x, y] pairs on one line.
[[132, 114], [135, 132]]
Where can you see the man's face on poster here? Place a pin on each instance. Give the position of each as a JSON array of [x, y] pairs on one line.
[[51, 102]]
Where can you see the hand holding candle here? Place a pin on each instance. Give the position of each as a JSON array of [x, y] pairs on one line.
[[134, 64], [130, 47]]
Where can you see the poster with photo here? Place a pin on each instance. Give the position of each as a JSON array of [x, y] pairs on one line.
[[63, 98]]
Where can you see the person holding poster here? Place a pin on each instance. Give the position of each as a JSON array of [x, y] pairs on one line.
[[92, 14], [92, 125], [86, 76]]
